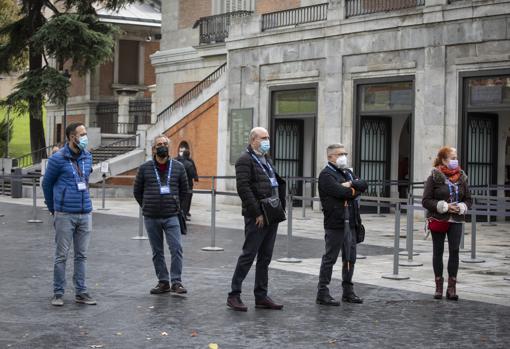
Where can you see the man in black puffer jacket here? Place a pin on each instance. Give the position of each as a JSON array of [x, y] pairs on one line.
[[339, 187], [160, 186], [256, 179]]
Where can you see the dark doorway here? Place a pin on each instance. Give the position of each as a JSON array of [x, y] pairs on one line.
[[482, 148], [375, 148], [288, 151]]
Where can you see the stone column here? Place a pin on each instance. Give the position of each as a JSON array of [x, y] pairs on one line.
[[123, 112], [435, 2], [336, 10]]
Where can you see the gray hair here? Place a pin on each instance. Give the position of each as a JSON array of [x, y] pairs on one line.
[[254, 131], [332, 147], [154, 141]]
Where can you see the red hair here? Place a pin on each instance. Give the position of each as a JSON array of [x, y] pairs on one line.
[[443, 154]]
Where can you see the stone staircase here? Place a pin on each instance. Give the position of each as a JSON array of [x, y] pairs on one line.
[[112, 150]]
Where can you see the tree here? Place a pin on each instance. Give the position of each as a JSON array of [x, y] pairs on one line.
[[68, 31], [5, 135]]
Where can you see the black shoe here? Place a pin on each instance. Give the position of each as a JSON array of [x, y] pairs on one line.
[[178, 288], [84, 298], [352, 298], [235, 303], [161, 287], [327, 300]]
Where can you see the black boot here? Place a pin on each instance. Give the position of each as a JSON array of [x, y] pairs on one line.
[[439, 287], [349, 296], [451, 291]]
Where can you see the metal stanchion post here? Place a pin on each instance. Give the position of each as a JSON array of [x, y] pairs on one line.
[[213, 246], [410, 238], [303, 204], [103, 185], [473, 258], [379, 214], [289, 259], [140, 227], [396, 247], [34, 204], [462, 240]]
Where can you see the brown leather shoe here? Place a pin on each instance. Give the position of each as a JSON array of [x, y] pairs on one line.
[[267, 303], [439, 287], [451, 291], [235, 303]]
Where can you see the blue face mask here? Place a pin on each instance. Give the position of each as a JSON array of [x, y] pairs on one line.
[[264, 146], [453, 164], [83, 142]]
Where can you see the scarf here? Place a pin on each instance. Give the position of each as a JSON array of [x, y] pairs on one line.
[[452, 175]]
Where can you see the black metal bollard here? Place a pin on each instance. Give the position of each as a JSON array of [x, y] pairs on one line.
[[473, 258]]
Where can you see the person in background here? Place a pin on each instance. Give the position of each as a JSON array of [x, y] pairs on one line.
[[66, 194], [446, 198], [338, 188], [160, 186], [191, 171]]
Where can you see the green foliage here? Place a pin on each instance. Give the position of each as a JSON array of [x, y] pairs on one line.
[[6, 131], [46, 81], [12, 57], [58, 39]]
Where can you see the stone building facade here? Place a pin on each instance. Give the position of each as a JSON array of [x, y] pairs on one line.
[[393, 83]]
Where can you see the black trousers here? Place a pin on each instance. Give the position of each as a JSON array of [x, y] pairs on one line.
[[335, 242], [258, 242], [454, 236]]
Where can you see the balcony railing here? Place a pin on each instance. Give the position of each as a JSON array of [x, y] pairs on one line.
[[107, 116], [34, 157], [295, 16], [214, 29], [194, 91], [363, 7]]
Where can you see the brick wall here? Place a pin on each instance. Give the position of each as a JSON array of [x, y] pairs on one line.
[[183, 87], [106, 79], [78, 85], [200, 130], [191, 10], [149, 72], [264, 6]]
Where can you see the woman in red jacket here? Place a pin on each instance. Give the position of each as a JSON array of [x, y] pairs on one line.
[[446, 198]]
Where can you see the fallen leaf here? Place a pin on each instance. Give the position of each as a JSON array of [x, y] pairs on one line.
[[151, 307], [194, 334], [149, 339], [332, 341], [213, 346], [164, 333], [118, 333], [97, 346]]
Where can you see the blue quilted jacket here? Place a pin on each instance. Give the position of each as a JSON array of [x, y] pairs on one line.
[[60, 186]]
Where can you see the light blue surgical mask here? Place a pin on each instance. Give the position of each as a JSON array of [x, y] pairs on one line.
[[453, 164], [83, 142], [264, 146]]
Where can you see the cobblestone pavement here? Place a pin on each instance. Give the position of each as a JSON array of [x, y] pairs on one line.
[[120, 275]]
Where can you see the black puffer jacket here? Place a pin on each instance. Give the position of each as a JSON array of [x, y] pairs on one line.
[[436, 189], [333, 196], [147, 192], [253, 184]]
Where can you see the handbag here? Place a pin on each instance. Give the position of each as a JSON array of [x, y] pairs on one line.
[[437, 226], [360, 233], [272, 210]]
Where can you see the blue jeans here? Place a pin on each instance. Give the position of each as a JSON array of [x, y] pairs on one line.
[[71, 228], [171, 229]]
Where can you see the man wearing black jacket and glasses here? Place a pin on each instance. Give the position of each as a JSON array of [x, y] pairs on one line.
[[256, 179], [338, 190]]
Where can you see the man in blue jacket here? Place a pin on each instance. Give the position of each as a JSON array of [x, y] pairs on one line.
[[66, 194]]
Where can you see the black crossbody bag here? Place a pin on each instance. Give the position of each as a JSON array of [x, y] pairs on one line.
[[272, 210]]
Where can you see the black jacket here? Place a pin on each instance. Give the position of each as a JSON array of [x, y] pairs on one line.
[[191, 169], [147, 191], [436, 189], [253, 184], [333, 196]]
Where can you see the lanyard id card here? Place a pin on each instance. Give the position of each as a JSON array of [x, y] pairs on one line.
[[82, 186], [270, 175], [274, 182], [163, 190]]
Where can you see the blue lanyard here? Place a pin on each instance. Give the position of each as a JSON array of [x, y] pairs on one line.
[[343, 172], [263, 167], [450, 185], [76, 177], [168, 176]]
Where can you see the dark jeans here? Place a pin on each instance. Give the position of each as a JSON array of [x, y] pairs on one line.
[[336, 241], [258, 242], [186, 202], [171, 230], [454, 236]]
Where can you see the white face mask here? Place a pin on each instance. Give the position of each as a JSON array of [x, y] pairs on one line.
[[341, 161]]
